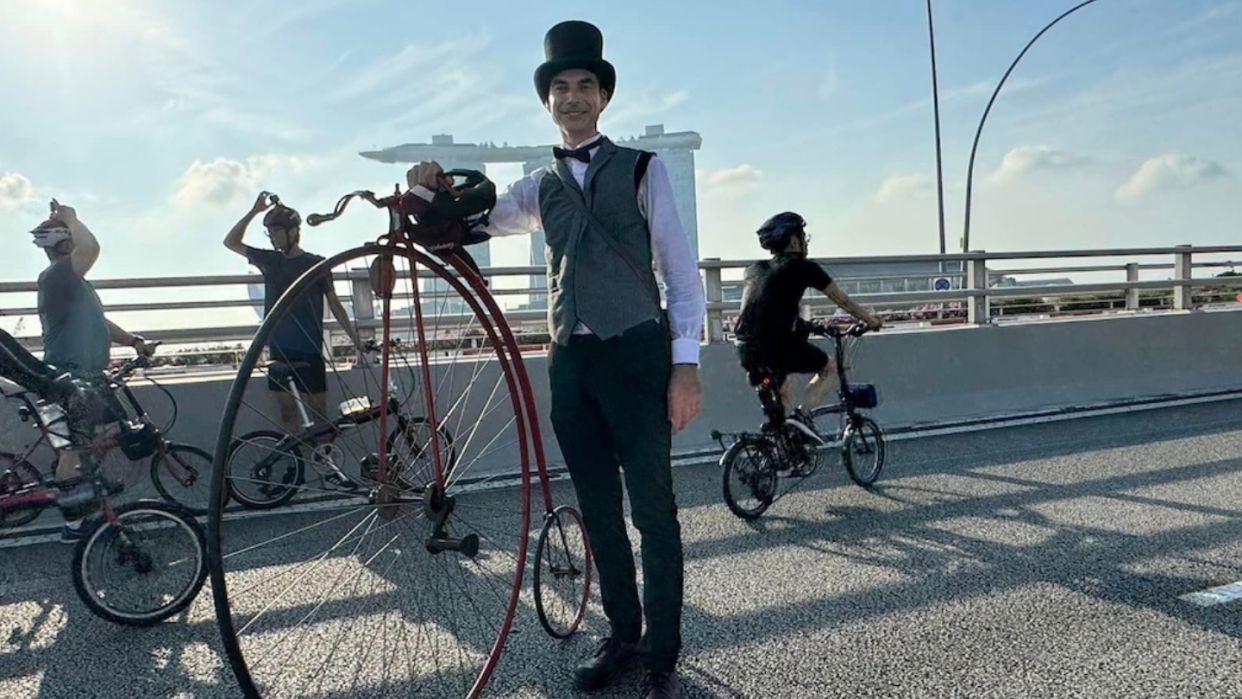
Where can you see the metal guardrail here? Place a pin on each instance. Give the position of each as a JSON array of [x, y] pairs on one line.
[[970, 273]]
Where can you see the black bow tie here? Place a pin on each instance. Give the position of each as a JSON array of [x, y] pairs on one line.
[[583, 153]]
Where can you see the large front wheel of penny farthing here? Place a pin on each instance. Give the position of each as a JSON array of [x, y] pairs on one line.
[[391, 571]]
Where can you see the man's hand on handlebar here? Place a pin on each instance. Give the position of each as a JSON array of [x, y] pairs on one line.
[[143, 347], [872, 321], [429, 174]]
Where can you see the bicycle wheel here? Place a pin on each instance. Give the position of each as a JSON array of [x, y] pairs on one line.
[[562, 572], [863, 450], [390, 590], [16, 474], [262, 474], [182, 474], [410, 444], [749, 478], [143, 566]]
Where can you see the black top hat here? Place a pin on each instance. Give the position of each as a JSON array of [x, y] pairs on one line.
[[574, 44]]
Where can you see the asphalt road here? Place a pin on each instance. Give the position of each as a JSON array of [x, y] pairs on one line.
[[1039, 561]]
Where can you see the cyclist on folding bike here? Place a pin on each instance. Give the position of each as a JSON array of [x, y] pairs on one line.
[[770, 334]]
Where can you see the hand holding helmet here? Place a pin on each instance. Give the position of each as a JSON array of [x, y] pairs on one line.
[[66, 214], [56, 228], [446, 218], [262, 203]]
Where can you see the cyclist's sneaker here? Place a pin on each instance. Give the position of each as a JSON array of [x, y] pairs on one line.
[[72, 535], [336, 479], [802, 423]]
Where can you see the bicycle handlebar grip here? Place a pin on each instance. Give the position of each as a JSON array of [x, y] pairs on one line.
[[316, 219], [473, 177]]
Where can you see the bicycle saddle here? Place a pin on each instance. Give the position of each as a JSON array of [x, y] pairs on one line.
[[761, 375]]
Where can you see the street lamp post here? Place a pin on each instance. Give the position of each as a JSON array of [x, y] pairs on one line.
[[931, 36], [970, 170]]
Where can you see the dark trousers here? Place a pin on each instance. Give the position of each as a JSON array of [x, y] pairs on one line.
[[610, 415]]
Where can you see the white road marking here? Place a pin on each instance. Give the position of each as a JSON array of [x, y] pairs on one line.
[[1215, 595]]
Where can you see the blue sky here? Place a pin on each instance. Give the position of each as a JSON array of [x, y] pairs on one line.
[[160, 119]]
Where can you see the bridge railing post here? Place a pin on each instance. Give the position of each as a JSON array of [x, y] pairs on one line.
[[1183, 271], [714, 293], [978, 308], [1132, 295], [363, 298]]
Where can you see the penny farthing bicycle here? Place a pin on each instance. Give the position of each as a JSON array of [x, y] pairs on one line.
[[406, 584]]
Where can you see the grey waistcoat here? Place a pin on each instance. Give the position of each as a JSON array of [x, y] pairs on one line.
[[588, 280]]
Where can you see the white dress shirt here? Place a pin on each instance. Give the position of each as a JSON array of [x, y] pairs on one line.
[[517, 212]]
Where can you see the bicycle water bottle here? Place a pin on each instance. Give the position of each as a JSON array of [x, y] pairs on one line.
[[51, 414], [355, 406]]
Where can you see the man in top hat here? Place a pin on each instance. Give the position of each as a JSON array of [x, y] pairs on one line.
[[623, 371]]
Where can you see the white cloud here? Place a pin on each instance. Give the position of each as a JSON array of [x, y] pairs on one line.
[[15, 191], [730, 178], [904, 187], [224, 182], [1027, 160], [1169, 172]]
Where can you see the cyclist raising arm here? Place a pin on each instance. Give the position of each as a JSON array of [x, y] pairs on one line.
[[770, 333], [76, 335], [299, 338]]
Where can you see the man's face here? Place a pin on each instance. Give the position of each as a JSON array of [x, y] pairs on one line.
[[61, 249], [281, 238], [575, 101]]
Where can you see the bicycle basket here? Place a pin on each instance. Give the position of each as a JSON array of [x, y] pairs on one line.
[[138, 443], [863, 395]]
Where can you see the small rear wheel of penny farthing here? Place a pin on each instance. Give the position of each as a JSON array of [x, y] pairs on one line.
[[562, 572]]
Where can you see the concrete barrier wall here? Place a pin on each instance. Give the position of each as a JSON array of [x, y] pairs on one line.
[[924, 376]]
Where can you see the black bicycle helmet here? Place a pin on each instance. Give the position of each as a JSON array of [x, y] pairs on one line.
[[776, 232], [449, 218], [282, 217]]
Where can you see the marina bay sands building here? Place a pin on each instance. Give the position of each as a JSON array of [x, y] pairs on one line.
[[676, 149]]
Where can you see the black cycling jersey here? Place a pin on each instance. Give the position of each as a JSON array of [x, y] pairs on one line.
[[773, 289]]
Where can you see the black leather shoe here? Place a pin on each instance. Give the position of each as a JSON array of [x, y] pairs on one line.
[[661, 685], [610, 661]]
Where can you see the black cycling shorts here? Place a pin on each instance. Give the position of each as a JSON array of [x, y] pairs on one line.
[[312, 378], [796, 357]]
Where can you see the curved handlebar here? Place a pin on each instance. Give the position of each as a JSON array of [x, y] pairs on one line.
[[472, 178], [316, 219], [855, 329], [142, 360]]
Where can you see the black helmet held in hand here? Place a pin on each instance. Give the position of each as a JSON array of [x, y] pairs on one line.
[[282, 217], [776, 232], [448, 219]]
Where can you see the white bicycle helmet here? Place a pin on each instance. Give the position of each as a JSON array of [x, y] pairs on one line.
[[50, 232]]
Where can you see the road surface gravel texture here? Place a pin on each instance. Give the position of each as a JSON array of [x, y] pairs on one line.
[[1040, 561]]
